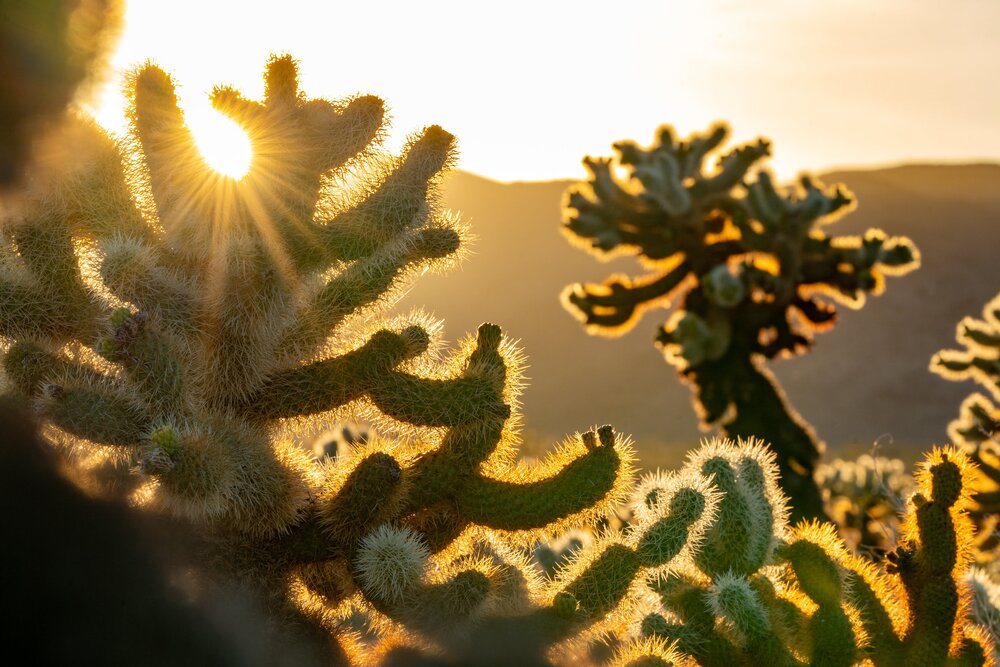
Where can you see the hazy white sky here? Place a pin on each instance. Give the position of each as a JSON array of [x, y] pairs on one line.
[[529, 88]]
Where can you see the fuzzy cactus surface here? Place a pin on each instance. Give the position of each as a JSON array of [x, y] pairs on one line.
[[180, 333], [710, 572], [747, 266], [758, 591]]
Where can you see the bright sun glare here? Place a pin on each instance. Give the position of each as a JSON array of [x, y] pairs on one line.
[[223, 144], [719, 56]]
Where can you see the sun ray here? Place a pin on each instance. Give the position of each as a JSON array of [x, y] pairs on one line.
[[222, 143]]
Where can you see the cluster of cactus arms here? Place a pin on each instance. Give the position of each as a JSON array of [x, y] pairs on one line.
[[195, 328], [757, 592], [746, 262], [977, 429], [190, 332], [711, 573]]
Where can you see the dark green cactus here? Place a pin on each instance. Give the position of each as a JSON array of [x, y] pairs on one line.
[[746, 264], [194, 328]]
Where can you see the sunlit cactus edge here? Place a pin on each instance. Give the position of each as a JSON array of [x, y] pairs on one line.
[[180, 332], [745, 265]]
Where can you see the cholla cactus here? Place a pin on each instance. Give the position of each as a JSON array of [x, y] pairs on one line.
[[985, 605], [978, 427], [596, 590], [193, 326], [746, 263], [980, 361], [711, 573], [865, 498], [799, 597]]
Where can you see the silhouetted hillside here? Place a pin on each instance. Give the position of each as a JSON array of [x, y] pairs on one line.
[[865, 380]]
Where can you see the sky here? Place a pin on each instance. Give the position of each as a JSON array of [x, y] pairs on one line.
[[529, 88]]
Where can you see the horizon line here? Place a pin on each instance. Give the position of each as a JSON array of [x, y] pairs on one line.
[[835, 168]]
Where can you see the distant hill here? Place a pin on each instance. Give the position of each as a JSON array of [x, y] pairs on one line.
[[866, 380]]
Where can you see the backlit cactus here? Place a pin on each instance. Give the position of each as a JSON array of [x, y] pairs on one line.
[[800, 597], [710, 573], [980, 361], [977, 429], [193, 327], [746, 264]]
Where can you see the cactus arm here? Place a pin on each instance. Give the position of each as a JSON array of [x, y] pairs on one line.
[[884, 645], [617, 304], [27, 313], [591, 591], [833, 638], [437, 606], [49, 299], [46, 247], [444, 472], [367, 498], [30, 366], [397, 205], [733, 600], [697, 635], [362, 284], [977, 428], [474, 396], [131, 270], [175, 166], [330, 383], [582, 483], [76, 398], [942, 536], [425, 402], [599, 588], [856, 265], [149, 359], [94, 412]]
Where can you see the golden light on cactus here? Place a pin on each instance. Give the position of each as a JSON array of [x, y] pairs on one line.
[[215, 308]]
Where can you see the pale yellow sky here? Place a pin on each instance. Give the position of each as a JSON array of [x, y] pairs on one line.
[[529, 88]]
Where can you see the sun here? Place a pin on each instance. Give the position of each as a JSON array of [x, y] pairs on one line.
[[221, 142]]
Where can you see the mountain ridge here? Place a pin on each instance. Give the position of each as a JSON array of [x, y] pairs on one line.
[[865, 381]]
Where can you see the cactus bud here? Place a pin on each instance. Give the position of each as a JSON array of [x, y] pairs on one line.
[[723, 288], [390, 561]]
